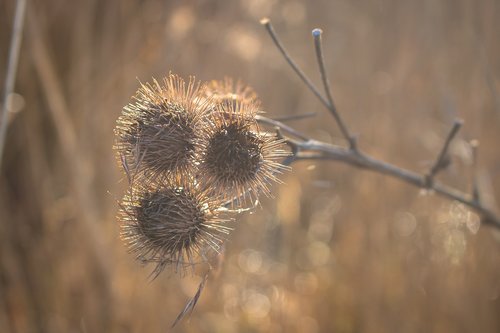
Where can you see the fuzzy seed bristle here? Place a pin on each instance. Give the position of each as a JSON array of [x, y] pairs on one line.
[[171, 225], [228, 92], [193, 148], [159, 134], [239, 160]]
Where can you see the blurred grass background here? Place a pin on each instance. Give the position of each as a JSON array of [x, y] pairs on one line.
[[338, 249]]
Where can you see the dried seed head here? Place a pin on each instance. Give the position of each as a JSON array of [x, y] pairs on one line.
[[171, 225], [239, 160], [228, 92], [158, 135]]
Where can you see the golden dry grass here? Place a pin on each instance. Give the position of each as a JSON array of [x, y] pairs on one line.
[[338, 249]]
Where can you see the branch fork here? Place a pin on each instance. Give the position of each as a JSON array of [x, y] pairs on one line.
[[305, 148]]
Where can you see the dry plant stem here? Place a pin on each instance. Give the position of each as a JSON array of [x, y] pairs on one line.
[[317, 150], [10, 79], [328, 103], [189, 307], [281, 126], [440, 161], [304, 148], [267, 24], [328, 91], [296, 116], [475, 188]]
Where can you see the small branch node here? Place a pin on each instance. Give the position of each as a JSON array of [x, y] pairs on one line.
[[317, 32], [353, 143], [279, 135], [265, 21], [428, 181]]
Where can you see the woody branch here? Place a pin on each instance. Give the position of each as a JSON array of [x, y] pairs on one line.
[[305, 148]]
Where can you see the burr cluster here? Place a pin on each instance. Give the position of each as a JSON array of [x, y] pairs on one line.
[[194, 155]]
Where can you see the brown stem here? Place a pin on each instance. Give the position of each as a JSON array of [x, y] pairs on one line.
[[328, 91], [10, 78], [304, 148], [316, 150], [441, 160]]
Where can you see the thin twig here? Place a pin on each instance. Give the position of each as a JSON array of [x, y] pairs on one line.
[[475, 187], [328, 91], [10, 78], [267, 24], [304, 148], [317, 150], [296, 116], [293, 156], [441, 160], [189, 307], [283, 127]]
